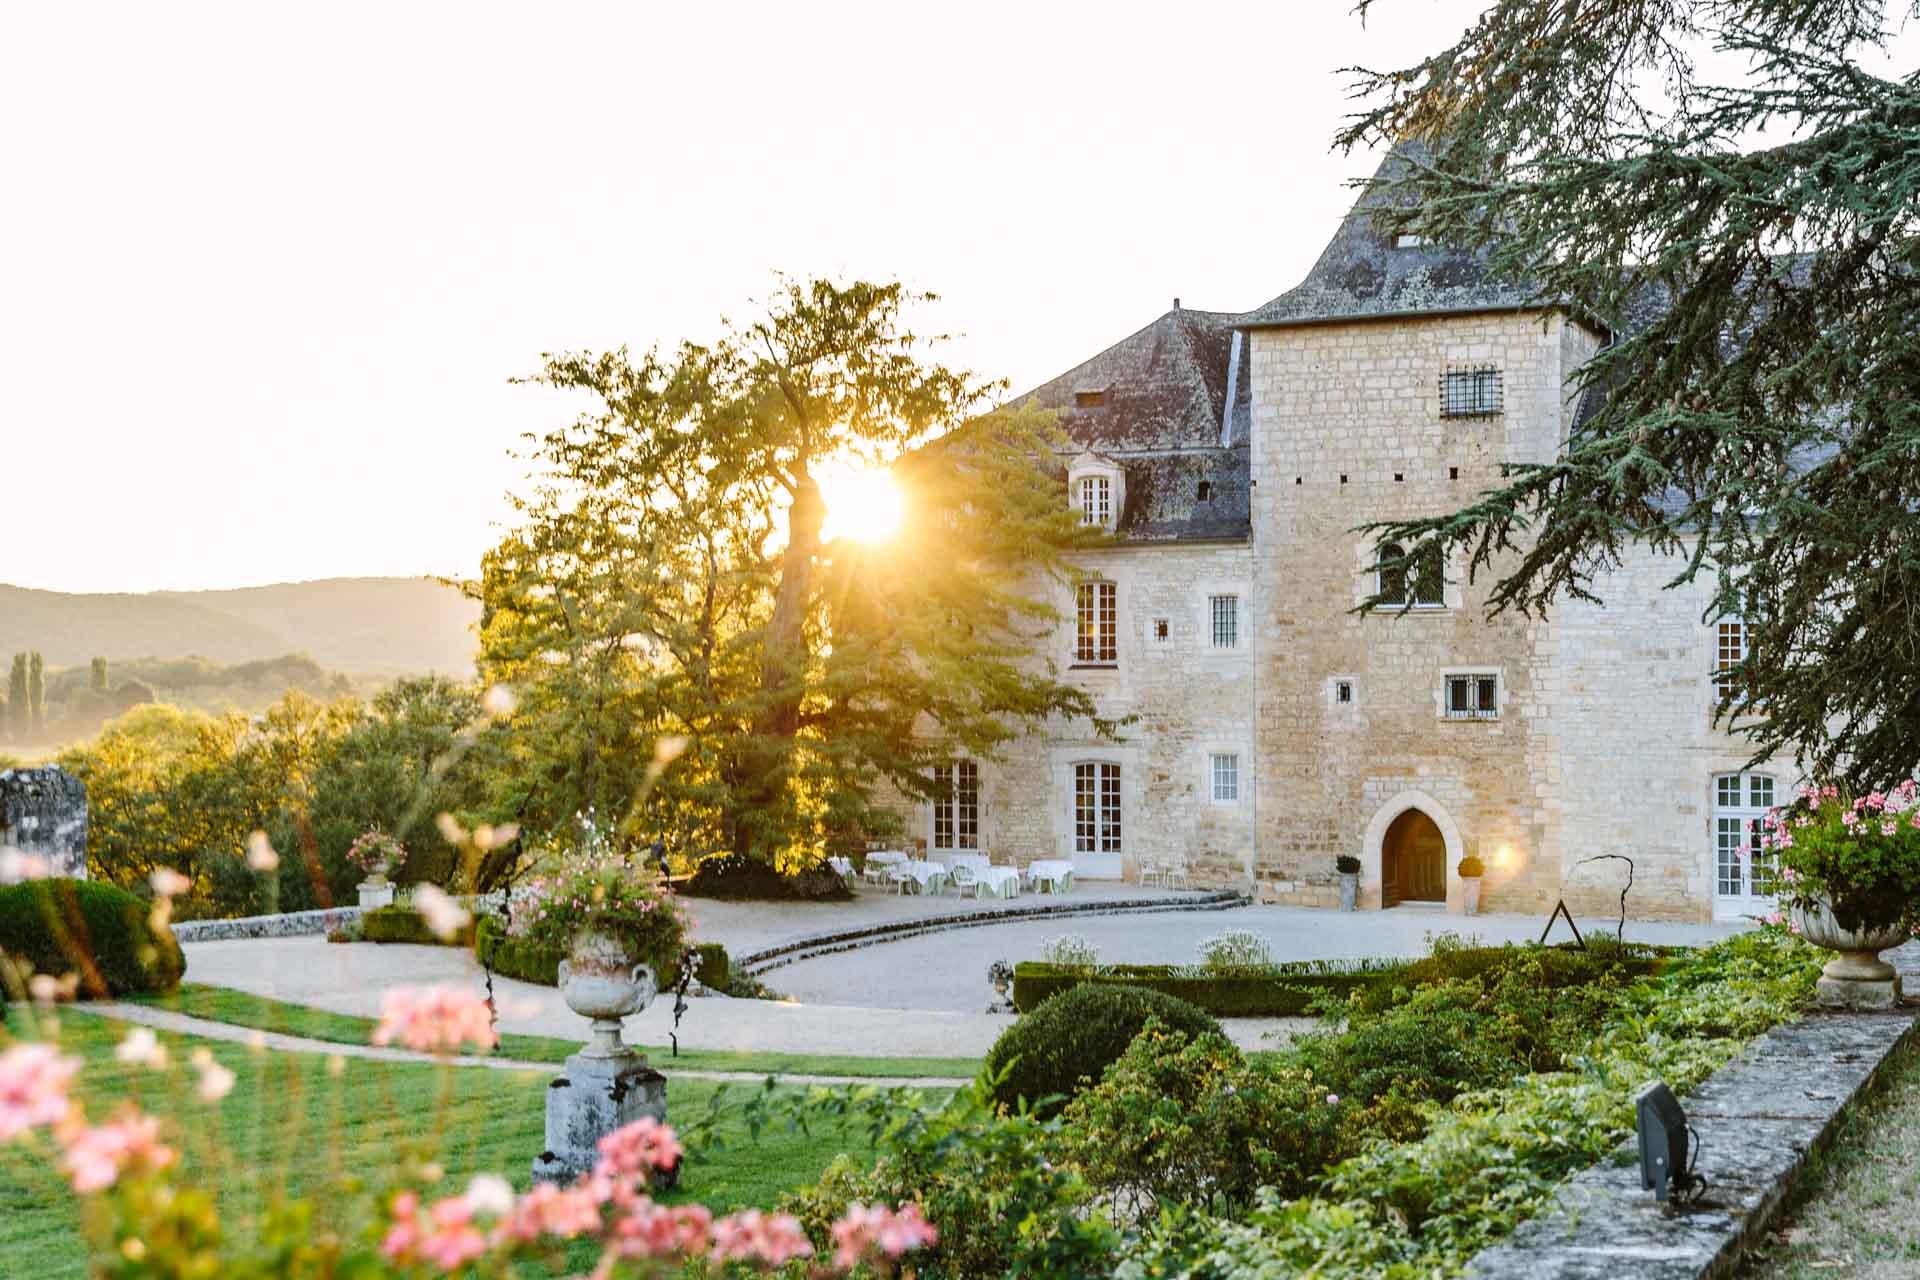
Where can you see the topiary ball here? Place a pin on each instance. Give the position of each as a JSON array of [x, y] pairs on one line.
[[1070, 1039], [99, 931]]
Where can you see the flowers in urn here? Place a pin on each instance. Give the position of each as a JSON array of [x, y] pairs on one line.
[[376, 853]]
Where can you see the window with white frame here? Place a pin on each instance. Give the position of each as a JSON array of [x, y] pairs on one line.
[[1729, 644], [956, 808], [1096, 808], [1097, 634], [1223, 768], [1226, 621], [1096, 499], [1423, 588], [1472, 696], [1470, 393], [1742, 869]]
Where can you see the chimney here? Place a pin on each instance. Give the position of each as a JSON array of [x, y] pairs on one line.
[[1176, 304]]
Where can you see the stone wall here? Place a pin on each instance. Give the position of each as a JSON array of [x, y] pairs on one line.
[[44, 811]]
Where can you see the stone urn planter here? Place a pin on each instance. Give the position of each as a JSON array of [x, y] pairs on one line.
[[1470, 870], [1856, 978], [1347, 868], [600, 982], [376, 891]]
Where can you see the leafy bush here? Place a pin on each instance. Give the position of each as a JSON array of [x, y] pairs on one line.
[[973, 1170], [403, 924], [730, 875], [1347, 865], [1071, 949], [1280, 991], [1049, 1055], [1471, 866], [99, 931], [617, 899], [1558, 968], [1188, 1120], [1860, 854], [527, 961], [1236, 949]]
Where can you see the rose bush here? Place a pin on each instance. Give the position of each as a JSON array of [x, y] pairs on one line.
[[1860, 854]]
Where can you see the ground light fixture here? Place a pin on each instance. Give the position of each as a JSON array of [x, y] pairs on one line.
[[1668, 1146]]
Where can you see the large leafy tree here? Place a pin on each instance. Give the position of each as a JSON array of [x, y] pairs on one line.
[[1723, 187], [669, 581]]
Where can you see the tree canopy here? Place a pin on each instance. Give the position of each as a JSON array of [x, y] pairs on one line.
[[669, 590], [1725, 190]]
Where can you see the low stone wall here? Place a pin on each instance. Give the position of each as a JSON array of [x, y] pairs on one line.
[[1759, 1119], [290, 924]]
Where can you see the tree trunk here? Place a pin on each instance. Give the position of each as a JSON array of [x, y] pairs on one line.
[[783, 661]]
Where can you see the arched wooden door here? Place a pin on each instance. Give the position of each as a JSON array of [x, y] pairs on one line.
[[1413, 860]]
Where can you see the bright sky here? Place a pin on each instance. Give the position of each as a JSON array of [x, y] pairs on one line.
[[267, 268]]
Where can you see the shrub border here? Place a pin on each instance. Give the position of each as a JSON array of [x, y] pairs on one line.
[[1281, 991]]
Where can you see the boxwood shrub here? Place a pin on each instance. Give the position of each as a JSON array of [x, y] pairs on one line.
[[1049, 1055], [99, 930], [403, 924], [1278, 991], [522, 960]]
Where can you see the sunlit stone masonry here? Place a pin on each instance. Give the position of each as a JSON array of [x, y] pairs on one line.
[[1233, 456], [44, 811]]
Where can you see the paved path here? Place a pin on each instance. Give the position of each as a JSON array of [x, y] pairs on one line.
[[946, 972], [184, 1024]]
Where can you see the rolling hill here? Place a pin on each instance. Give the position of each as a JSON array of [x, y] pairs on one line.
[[356, 625]]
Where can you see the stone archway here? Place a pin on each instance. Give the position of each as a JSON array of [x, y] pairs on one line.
[[1373, 845], [1413, 861]]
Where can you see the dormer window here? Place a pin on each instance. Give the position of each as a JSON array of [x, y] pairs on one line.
[[1206, 491], [1408, 240], [1096, 500], [1089, 399]]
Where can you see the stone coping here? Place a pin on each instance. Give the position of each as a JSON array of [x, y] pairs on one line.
[[831, 941], [1759, 1119], [288, 924]]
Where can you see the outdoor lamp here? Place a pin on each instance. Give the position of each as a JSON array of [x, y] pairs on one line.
[[1665, 1168]]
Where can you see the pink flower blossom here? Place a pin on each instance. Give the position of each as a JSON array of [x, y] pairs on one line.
[[168, 883], [403, 1238], [774, 1239], [1850, 820], [434, 1019], [33, 1087], [650, 1230], [96, 1157], [1888, 826], [556, 1212], [638, 1148], [866, 1229]]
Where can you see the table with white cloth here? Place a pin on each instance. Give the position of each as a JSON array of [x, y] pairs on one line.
[[886, 858], [928, 877], [1055, 873], [1002, 882], [974, 862]]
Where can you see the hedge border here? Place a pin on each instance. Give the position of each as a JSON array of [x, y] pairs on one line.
[[1282, 991]]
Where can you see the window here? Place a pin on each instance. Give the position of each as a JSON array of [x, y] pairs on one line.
[[1343, 691], [1429, 582], [1096, 500], [1206, 491], [956, 811], [1473, 697], [1741, 868], [1161, 631], [1098, 636], [1096, 808], [1224, 769], [1730, 645], [1470, 393], [1408, 240], [1089, 399], [1226, 621]]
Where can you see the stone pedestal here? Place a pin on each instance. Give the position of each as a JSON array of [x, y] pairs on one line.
[[375, 894], [1470, 894], [1856, 978], [44, 811], [591, 1098], [1349, 891]]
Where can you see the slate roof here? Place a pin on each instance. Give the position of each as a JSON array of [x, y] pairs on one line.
[[1174, 410], [1362, 275]]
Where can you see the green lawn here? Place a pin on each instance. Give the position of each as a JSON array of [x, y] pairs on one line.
[[290, 1126], [1858, 1214], [219, 1004]]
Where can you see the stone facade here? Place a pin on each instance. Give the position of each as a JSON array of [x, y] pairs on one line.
[[44, 811]]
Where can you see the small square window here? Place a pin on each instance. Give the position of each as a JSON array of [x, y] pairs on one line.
[[1161, 630], [1225, 771], [1470, 393], [1473, 697], [1343, 691], [1226, 621], [1206, 491]]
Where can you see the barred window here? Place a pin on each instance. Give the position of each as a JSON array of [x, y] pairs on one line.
[[1429, 580], [956, 811], [1098, 636], [1096, 808], [1226, 621], [1470, 393], [1096, 499], [1473, 697], [1224, 768]]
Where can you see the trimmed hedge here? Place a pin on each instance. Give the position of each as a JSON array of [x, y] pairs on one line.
[[517, 958], [1281, 991], [96, 929], [1067, 1043], [733, 876], [403, 924]]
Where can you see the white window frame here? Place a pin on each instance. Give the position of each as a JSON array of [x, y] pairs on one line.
[[1224, 607], [958, 811], [1730, 641], [1739, 802], [1096, 634], [1096, 500], [1097, 807], [1223, 776], [1475, 710]]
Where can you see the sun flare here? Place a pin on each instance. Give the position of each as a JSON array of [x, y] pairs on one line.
[[863, 505]]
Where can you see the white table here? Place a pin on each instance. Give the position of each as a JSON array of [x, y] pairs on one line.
[[1004, 882], [974, 862], [1055, 873], [886, 858], [929, 877]]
